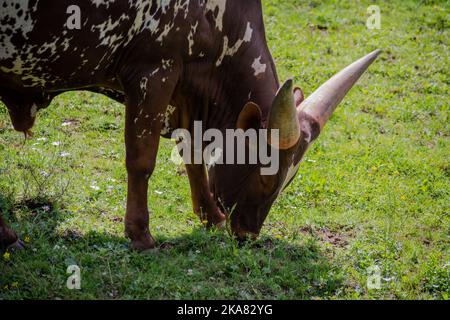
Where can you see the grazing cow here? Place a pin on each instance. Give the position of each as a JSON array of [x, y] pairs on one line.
[[172, 63]]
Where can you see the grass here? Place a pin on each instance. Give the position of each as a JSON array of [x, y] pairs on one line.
[[372, 191]]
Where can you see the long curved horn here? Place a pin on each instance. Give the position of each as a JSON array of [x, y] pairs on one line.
[[319, 106], [315, 111], [283, 116]]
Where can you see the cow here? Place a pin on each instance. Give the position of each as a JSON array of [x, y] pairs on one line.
[[171, 63]]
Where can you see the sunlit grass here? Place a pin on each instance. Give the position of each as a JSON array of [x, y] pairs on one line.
[[372, 191]]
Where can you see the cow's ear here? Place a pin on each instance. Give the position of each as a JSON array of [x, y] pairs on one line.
[[298, 96], [250, 117]]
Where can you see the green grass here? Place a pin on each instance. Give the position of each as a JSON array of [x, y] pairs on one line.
[[372, 191]]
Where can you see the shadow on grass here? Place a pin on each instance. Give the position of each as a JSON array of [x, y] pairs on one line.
[[203, 264], [41, 213]]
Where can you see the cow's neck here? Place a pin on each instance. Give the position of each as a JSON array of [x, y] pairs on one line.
[[247, 85], [248, 75], [228, 67]]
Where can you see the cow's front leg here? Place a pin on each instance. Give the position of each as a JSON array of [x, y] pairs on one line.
[[147, 100], [7, 236], [202, 199]]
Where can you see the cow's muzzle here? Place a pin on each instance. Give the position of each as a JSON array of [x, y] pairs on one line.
[[22, 123]]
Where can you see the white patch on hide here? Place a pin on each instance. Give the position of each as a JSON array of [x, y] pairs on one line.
[[166, 120], [33, 110], [258, 66], [191, 37], [218, 6], [231, 51], [22, 25]]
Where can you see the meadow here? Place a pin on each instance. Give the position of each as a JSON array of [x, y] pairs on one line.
[[371, 201]]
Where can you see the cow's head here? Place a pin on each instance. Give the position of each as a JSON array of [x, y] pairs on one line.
[[241, 190], [22, 109], [22, 119]]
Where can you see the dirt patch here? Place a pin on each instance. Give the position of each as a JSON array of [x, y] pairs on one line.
[[70, 123], [339, 237], [36, 205], [71, 235], [116, 219], [166, 246]]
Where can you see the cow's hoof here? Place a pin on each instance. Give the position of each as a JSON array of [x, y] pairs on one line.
[[149, 251], [18, 245], [222, 225], [142, 245], [8, 238], [218, 221]]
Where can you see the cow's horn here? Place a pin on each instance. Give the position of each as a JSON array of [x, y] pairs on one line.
[[283, 117], [321, 104]]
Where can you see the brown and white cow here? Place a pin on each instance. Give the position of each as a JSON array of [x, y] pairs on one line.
[[171, 62]]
